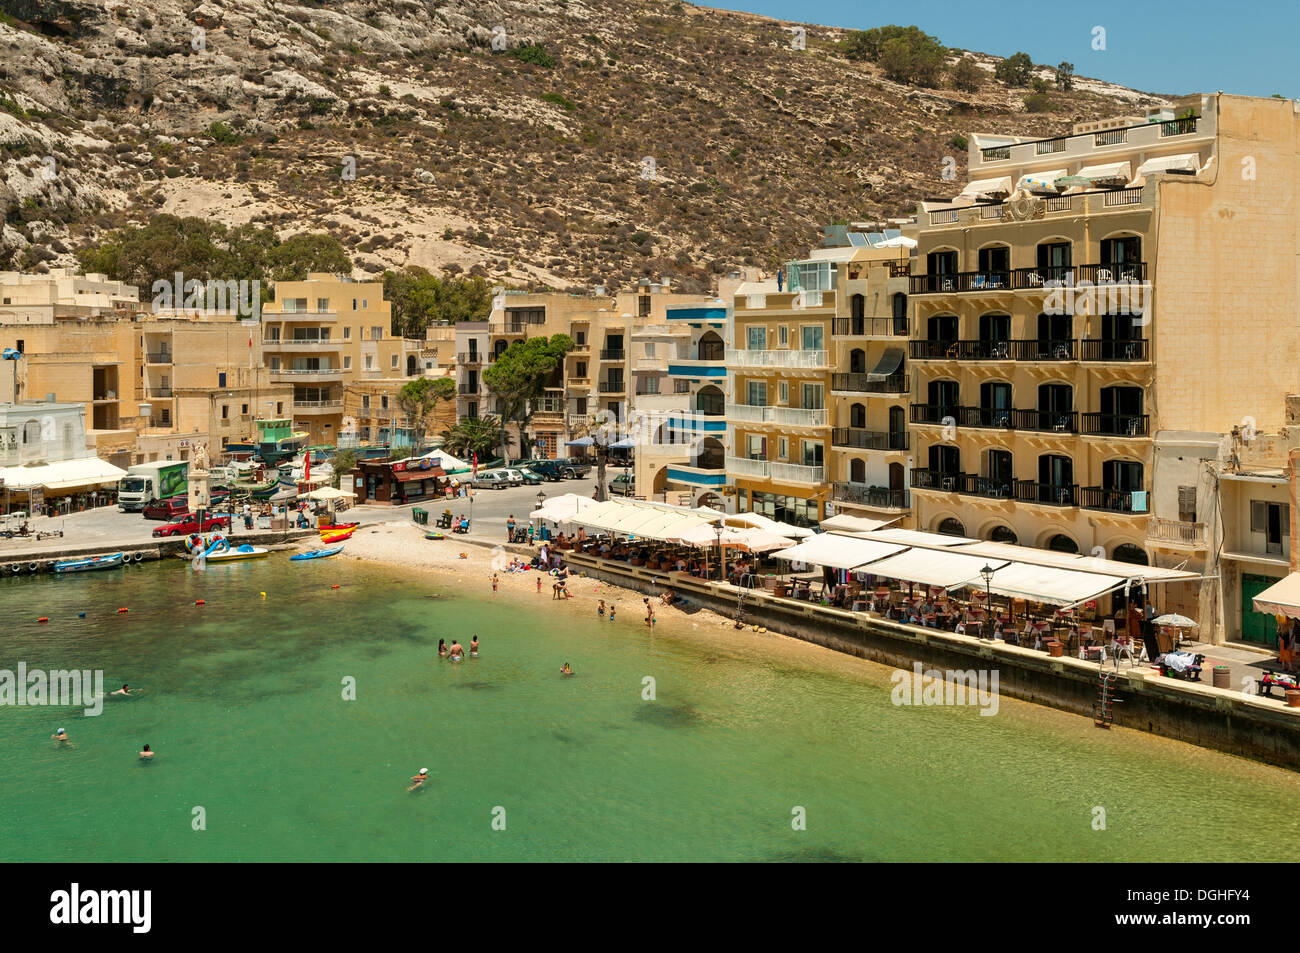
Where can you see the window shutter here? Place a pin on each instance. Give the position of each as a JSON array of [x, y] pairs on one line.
[[1286, 518], [1187, 504], [1258, 516]]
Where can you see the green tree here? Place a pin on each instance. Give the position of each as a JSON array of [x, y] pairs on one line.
[[472, 435], [294, 258], [343, 461], [520, 374], [420, 299], [419, 400], [1065, 77], [1015, 70], [966, 75], [1038, 103], [913, 57]]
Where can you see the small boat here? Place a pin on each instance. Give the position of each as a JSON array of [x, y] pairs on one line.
[[336, 527], [435, 535], [328, 537], [238, 553], [90, 562], [317, 553]]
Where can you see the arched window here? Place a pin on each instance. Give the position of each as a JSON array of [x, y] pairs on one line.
[[951, 526], [857, 471], [858, 416], [710, 401], [31, 432], [857, 307], [1061, 543], [1004, 534], [711, 347], [857, 361], [711, 454], [1128, 553]]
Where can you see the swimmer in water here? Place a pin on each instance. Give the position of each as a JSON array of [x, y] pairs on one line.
[[419, 779], [442, 648], [566, 670], [473, 646], [600, 609], [124, 690], [457, 650], [61, 736], [146, 753]]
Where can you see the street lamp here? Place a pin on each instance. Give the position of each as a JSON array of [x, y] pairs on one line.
[[717, 532], [987, 573]]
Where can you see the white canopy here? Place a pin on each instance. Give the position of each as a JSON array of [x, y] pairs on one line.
[[63, 475], [1049, 584], [912, 537], [846, 523], [562, 509], [751, 539], [933, 568], [327, 493], [837, 551], [1183, 162], [758, 521], [1041, 181], [448, 462], [1110, 170], [988, 186], [1281, 598]]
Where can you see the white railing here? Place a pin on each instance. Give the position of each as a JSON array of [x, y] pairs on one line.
[[751, 413], [794, 473], [800, 416], [780, 359], [743, 466], [317, 403], [1177, 531], [306, 370]]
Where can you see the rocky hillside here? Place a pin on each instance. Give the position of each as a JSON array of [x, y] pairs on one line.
[[558, 142]]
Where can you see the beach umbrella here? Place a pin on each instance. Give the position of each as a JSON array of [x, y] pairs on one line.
[[1175, 620]]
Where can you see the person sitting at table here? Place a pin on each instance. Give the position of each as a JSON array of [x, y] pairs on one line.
[[681, 564]]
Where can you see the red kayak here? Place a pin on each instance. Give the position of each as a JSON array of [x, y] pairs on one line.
[[336, 527]]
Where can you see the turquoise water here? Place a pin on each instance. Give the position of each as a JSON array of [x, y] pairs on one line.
[[242, 702]]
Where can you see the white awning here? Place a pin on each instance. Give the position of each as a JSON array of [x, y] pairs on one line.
[[754, 540], [1049, 584], [988, 186], [1184, 162], [855, 524], [327, 493], [1074, 561], [63, 475], [1041, 181], [837, 551], [562, 509], [1281, 598], [933, 567], [759, 521], [914, 537], [1103, 173]]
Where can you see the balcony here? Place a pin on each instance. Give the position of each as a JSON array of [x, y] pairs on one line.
[[1110, 349], [996, 418], [159, 357], [469, 358], [612, 387], [317, 406], [300, 344], [315, 317], [547, 406], [1029, 279], [745, 467], [1047, 494], [1022, 349], [612, 354], [855, 438], [968, 484], [797, 473], [869, 327], [1116, 425], [307, 374], [878, 497], [1178, 532], [800, 416], [1112, 501], [1084, 146], [854, 383], [779, 360], [151, 392], [749, 413]]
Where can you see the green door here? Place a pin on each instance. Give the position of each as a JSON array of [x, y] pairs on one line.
[[1258, 627]]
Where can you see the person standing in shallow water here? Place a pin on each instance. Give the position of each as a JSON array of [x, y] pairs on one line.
[[146, 753], [495, 581]]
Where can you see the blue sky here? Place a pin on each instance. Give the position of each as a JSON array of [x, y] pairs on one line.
[[1195, 46]]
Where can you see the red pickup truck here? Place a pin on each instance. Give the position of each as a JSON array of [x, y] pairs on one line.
[[188, 523]]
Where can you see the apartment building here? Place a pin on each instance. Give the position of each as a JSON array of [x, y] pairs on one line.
[[1083, 306], [471, 357], [61, 295], [327, 331], [817, 370], [373, 415]]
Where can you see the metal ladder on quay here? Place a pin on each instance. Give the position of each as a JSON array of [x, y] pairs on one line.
[[1103, 709]]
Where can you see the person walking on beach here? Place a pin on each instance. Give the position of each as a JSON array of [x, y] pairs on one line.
[[510, 528], [539, 583], [649, 612], [248, 517]]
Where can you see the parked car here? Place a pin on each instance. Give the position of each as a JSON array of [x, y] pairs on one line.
[[166, 509], [490, 480], [188, 523], [575, 467], [511, 476], [550, 469], [623, 485], [529, 477]]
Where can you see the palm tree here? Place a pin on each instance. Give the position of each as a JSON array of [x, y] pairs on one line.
[[472, 435]]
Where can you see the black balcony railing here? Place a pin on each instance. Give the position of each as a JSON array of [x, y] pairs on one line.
[[895, 383], [612, 354], [159, 357], [1113, 349], [997, 418], [1028, 279], [1113, 501], [878, 496], [612, 387], [859, 439], [1046, 421], [1048, 494], [1021, 349], [864, 327], [1116, 425], [469, 357]]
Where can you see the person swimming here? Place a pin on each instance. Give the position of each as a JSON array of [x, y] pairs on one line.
[[124, 690], [457, 650], [146, 753], [419, 779], [566, 670], [442, 648], [60, 736], [473, 646]]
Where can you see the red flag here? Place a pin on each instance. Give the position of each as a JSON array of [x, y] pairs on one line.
[[306, 470], [474, 460]]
